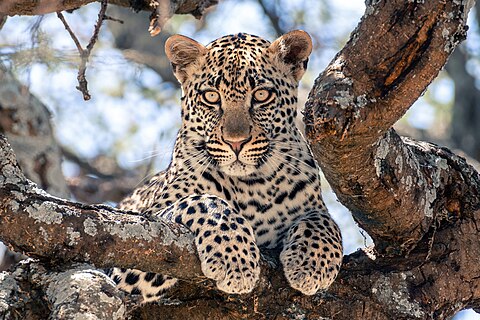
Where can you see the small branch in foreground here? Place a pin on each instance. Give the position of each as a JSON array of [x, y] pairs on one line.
[[85, 53]]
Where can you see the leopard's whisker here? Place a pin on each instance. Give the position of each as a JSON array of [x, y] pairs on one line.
[[291, 166]]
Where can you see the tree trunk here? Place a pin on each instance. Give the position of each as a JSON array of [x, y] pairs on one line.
[[419, 202]]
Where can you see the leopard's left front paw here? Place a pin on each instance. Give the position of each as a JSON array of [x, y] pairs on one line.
[[311, 261]]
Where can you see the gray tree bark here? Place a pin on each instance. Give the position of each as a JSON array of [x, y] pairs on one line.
[[38, 7], [418, 201]]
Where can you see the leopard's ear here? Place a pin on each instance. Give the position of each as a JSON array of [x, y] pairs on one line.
[[293, 49], [182, 53]]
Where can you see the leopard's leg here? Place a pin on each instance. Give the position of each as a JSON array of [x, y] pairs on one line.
[[225, 241], [312, 252]]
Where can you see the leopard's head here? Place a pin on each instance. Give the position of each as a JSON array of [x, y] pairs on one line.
[[239, 96]]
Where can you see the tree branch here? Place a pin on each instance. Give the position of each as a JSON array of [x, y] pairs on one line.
[[46, 227], [360, 96], [85, 53], [39, 7], [83, 292]]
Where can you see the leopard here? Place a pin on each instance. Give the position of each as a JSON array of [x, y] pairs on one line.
[[242, 177]]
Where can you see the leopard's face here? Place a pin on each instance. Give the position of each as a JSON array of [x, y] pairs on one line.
[[239, 104]]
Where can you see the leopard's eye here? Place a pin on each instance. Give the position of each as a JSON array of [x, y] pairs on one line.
[[211, 97], [261, 95]]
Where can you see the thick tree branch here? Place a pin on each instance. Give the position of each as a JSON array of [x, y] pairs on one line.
[[33, 292], [46, 227], [392, 194], [83, 292], [38, 7]]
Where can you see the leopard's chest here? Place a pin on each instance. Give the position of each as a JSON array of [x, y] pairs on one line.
[[270, 204], [271, 209], [271, 201]]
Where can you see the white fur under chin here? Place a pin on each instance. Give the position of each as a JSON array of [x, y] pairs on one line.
[[238, 169]]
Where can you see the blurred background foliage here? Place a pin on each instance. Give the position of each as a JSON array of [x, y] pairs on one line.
[[130, 123]]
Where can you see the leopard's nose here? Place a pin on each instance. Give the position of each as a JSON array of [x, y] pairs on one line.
[[237, 143]]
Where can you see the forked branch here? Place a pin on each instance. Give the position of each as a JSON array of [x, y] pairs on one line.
[[85, 53]]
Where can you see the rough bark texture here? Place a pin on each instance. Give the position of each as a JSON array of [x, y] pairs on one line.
[[37, 7], [360, 96], [419, 202], [49, 228], [70, 294]]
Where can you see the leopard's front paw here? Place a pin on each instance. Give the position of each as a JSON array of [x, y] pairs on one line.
[[305, 269], [301, 271], [311, 263], [229, 255]]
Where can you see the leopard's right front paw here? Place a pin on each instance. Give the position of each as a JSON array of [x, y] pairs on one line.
[[312, 254], [224, 239], [229, 255]]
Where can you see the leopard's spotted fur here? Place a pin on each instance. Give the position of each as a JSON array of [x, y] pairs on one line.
[[242, 176]]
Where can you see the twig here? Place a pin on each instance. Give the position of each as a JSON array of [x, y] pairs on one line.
[[101, 17], [72, 35], [106, 17], [158, 18], [85, 53]]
